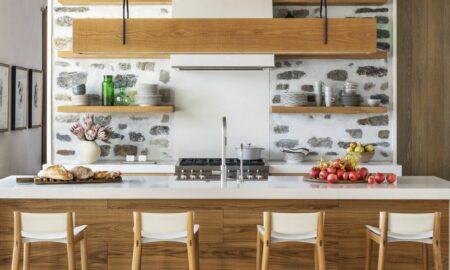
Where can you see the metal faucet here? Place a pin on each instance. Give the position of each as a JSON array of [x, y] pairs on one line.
[[223, 168]]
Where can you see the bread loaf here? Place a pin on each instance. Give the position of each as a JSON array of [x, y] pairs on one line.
[[57, 172], [82, 173]]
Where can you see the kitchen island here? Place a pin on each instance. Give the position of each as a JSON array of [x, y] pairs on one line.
[[227, 219]]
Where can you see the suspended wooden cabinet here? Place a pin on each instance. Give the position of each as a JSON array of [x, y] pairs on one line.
[[116, 109], [73, 55], [169, 2], [334, 110], [221, 36]]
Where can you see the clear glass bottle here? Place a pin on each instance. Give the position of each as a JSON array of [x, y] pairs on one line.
[[108, 91], [122, 99]]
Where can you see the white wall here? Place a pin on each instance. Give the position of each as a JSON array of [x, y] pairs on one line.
[[20, 32]]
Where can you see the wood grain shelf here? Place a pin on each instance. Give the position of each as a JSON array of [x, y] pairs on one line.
[[74, 55], [169, 2], [335, 110], [170, 36], [116, 109]]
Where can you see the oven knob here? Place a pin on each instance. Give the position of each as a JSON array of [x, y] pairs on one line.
[[258, 175], [201, 176], [182, 175], [192, 176]]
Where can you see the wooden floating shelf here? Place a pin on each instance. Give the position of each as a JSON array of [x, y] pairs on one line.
[[116, 109], [170, 36], [336, 110], [74, 55], [169, 2]]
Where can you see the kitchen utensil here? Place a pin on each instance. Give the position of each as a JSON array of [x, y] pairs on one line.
[[373, 102], [329, 96], [249, 152], [79, 90]]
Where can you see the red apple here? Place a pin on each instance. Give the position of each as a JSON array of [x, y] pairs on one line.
[[345, 176], [364, 172], [379, 178], [314, 173], [332, 179], [353, 176], [371, 180], [340, 174], [391, 178], [331, 170], [323, 175]]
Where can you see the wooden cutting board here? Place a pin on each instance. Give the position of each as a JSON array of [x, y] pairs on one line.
[[47, 181]]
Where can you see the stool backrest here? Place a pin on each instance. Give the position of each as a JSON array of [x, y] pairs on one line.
[[410, 223], [164, 222], [45, 223], [293, 223]]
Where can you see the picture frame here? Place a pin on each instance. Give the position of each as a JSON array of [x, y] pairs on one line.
[[35, 98], [5, 75], [19, 98]]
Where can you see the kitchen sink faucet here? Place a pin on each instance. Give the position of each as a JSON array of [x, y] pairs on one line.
[[223, 168]]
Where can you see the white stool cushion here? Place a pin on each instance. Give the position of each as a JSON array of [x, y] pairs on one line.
[[284, 237], [51, 237], [424, 237], [180, 237]]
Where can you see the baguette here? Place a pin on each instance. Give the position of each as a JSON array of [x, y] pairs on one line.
[[56, 172]]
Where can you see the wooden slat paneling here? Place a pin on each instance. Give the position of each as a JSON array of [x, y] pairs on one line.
[[278, 36], [169, 2], [423, 74], [227, 233]]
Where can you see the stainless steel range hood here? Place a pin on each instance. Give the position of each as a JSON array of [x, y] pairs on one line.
[[223, 9]]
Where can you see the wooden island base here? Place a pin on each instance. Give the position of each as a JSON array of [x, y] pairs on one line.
[[227, 233]]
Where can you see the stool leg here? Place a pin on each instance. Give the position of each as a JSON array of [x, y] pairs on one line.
[[369, 245], [17, 241], [197, 250], [26, 256], [191, 254], [265, 255], [437, 255], [71, 256], [382, 256], [425, 256], [316, 259], [137, 250], [83, 249], [258, 250], [321, 255], [16, 255]]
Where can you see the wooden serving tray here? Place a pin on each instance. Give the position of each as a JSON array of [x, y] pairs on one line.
[[48, 181], [345, 182]]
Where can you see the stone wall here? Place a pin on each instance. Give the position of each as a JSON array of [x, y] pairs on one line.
[[151, 134]]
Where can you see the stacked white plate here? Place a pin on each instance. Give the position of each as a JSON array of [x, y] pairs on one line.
[[148, 95], [292, 99], [350, 88], [80, 100]]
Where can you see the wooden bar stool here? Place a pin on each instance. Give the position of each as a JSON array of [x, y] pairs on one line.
[[291, 227], [173, 227], [395, 227], [33, 228]]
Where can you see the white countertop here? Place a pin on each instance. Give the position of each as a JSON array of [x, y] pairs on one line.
[[165, 187], [164, 167]]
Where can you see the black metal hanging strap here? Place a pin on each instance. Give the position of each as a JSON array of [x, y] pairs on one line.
[[125, 9], [324, 4]]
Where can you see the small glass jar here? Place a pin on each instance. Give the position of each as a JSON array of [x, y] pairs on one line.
[[122, 99]]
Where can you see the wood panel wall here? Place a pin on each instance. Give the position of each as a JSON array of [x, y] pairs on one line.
[[424, 87], [227, 234]]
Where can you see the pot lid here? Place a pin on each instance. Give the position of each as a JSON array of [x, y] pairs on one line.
[[250, 147]]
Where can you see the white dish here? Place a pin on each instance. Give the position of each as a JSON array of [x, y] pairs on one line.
[[374, 102], [152, 100], [80, 100]]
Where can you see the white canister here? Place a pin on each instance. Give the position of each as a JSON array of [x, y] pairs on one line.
[[329, 96], [318, 92]]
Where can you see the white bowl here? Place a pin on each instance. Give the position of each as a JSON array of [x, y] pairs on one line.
[[152, 100], [374, 102], [145, 89], [80, 100]]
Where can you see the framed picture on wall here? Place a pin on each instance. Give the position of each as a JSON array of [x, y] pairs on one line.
[[4, 97], [35, 98], [19, 98]]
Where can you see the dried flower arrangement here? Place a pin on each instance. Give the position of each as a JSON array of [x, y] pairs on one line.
[[87, 130]]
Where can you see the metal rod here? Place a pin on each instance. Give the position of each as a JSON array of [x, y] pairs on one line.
[[125, 10], [326, 21]]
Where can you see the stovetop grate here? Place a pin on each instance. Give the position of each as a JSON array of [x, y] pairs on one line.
[[218, 162]]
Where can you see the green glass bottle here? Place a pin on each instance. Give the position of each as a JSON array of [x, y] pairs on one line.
[[107, 90]]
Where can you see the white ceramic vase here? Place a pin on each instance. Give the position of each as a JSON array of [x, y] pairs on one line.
[[89, 152]]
